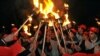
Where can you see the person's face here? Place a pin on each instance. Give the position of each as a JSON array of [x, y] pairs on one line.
[[48, 36], [71, 34], [85, 37], [52, 35], [91, 35], [69, 26], [80, 30]]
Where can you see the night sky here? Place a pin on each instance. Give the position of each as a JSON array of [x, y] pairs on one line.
[[85, 11], [82, 11]]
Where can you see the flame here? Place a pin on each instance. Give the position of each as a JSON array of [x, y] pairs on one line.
[[66, 15], [47, 9], [25, 27], [30, 18], [50, 23], [98, 23], [35, 27], [66, 22], [56, 15], [36, 3], [42, 11], [47, 6], [66, 5]]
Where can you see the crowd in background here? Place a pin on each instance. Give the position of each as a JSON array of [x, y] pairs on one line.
[[82, 39]]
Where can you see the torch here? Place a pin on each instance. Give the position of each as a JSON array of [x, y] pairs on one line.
[[56, 35], [63, 37], [22, 26], [44, 40], [33, 46]]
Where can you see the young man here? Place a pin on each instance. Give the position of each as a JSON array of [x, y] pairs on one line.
[[80, 32], [94, 39], [91, 45], [12, 37]]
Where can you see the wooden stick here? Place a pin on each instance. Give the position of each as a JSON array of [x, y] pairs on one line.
[[44, 39], [21, 26], [56, 36], [35, 40], [36, 34], [63, 37]]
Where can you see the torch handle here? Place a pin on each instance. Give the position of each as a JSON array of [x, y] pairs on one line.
[[21, 26], [35, 40], [36, 34], [63, 38], [44, 39], [56, 35]]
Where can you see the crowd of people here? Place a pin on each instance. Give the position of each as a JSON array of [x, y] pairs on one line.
[[82, 39]]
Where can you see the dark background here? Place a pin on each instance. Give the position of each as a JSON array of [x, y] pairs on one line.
[[15, 11]]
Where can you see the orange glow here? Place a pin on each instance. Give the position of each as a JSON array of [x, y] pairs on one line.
[[47, 6], [66, 5], [56, 15], [47, 9], [30, 18], [98, 23], [36, 3], [66, 22], [35, 27], [50, 23], [25, 28]]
